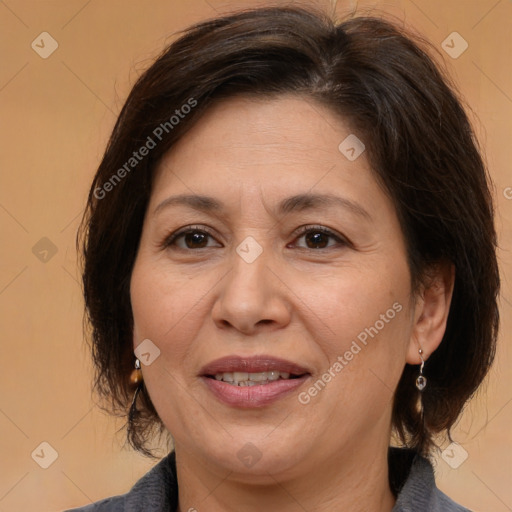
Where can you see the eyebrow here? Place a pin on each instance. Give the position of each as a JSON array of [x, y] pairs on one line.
[[297, 203]]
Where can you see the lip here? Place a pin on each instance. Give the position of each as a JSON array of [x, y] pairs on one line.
[[252, 364], [258, 395], [253, 396]]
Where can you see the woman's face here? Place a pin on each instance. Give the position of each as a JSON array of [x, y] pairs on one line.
[[296, 264]]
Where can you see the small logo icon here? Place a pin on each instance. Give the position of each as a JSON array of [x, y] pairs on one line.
[[147, 352], [44, 45], [249, 454], [507, 192], [351, 147], [454, 455], [454, 45], [44, 250], [249, 249], [45, 455]]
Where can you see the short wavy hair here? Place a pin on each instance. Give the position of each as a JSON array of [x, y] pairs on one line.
[[382, 81]]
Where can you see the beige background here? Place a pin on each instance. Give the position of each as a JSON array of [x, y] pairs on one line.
[[56, 115]]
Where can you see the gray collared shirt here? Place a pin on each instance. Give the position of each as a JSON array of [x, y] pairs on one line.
[[157, 490]]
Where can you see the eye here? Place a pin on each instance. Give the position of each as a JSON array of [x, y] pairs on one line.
[[192, 237], [318, 237], [198, 237]]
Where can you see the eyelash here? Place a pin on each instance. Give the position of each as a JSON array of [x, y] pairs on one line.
[[171, 239]]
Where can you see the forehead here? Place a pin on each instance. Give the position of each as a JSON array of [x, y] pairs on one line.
[[287, 141]]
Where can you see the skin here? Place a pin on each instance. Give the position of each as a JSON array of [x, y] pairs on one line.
[[297, 300]]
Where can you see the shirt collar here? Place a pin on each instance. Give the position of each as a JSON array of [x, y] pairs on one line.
[[411, 480]]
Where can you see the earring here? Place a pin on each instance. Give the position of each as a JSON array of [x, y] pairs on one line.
[[135, 379], [421, 381], [136, 375]]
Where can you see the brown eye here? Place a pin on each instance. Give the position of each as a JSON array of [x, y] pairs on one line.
[[195, 239], [191, 238], [319, 238], [315, 240]]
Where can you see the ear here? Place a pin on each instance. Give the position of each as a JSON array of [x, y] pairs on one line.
[[431, 312]]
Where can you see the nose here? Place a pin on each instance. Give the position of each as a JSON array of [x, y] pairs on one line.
[[252, 298]]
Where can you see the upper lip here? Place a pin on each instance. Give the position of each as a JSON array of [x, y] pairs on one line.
[[252, 364]]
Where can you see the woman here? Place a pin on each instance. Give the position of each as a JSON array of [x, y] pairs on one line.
[[289, 260]]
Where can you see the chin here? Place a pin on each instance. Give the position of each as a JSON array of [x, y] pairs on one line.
[[258, 456]]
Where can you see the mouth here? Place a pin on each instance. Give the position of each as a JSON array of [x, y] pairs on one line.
[[258, 369], [252, 381]]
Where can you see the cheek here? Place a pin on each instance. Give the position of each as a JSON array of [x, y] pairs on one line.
[[358, 305], [366, 317], [166, 307]]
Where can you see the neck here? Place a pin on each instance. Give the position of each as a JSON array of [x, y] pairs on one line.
[[353, 481]]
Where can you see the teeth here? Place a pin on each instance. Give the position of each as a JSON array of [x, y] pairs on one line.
[[258, 377], [251, 379], [240, 376]]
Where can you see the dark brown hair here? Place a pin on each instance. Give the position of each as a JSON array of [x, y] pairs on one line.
[[420, 145]]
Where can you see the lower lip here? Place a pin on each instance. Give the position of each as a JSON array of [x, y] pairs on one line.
[[253, 396]]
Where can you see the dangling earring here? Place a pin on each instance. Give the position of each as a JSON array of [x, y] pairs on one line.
[[136, 375], [135, 379], [421, 381]]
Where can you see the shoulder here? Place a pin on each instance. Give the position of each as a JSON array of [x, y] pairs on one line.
[[156, 491], [113, 504], [418, 492]]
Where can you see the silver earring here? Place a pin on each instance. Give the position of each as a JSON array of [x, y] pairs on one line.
[[421, 381]]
